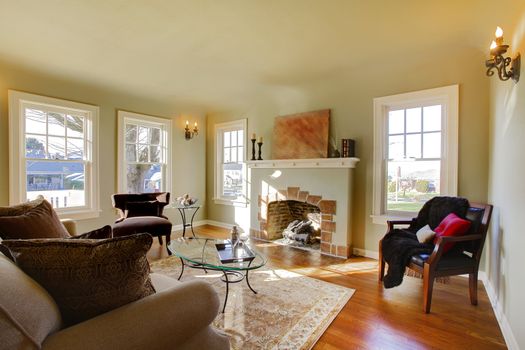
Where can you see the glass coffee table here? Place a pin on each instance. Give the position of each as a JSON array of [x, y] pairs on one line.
[[201, 253]]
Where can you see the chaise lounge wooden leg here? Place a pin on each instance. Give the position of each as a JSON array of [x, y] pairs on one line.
[[168, 240], [160, 239], [428, 285], [473, 287]]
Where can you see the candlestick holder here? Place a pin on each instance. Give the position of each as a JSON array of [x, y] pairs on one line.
[[253, 149], [260, 147]]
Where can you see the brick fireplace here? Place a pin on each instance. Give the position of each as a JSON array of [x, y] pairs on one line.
[[276, 210], [300, 185]]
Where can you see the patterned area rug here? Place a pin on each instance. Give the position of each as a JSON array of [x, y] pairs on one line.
[[290, 311]]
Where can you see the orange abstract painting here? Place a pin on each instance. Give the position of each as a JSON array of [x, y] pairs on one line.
[[301, 136]]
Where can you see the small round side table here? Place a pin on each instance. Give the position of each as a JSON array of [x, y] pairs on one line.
[[182, 210]]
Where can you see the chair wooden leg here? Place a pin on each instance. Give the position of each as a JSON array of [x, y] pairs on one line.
[[160, 239], [428, 285], [381, 264], [473, 287], [168, 240]]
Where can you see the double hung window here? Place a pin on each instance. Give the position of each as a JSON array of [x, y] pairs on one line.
[[53, 153], [230, 169], [415, 154], [144, 151]]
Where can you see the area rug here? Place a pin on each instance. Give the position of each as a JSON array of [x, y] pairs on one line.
[[289, 311]]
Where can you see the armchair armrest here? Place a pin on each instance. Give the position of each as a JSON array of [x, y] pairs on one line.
[[164, 320], [438, 248], [70, 225], [392, 223]]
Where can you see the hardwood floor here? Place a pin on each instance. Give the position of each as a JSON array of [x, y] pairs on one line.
[[378, 318]]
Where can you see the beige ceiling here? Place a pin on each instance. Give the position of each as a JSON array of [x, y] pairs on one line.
[[223, 53]]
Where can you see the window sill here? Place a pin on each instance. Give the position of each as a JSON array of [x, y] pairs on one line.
[[232, 203], [79, 214], [382, 219]]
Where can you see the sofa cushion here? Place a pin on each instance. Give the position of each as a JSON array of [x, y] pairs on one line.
[[100, 233], [153, 225], [39, 221], [163, 282], [87, 277], [28, 314]]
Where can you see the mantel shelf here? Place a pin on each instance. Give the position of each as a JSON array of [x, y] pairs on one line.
[[303, 163]]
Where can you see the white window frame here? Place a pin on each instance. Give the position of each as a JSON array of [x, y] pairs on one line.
[[166, 135], [220, 128], [448, 97], [17, 178]]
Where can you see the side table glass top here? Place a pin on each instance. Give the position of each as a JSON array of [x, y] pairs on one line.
[[202, 252]]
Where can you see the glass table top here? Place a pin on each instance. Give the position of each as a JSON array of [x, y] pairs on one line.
[[203, 252]]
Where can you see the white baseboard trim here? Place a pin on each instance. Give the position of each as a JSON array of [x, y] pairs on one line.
[[219, 224], [195, 224], [504, 325], [366, 253]]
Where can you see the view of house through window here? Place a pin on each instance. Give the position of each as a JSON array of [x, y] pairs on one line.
[[55, 149], [144, 151], [233, 147], [414, 157], [230, 183]]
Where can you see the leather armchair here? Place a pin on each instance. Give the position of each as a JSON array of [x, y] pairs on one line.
[[463, 259]]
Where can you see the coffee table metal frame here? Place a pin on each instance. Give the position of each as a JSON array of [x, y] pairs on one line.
[[231, 273]]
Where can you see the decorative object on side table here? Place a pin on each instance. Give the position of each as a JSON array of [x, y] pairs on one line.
[[347, 148], [260, 143], [253, 139], [186, 200]]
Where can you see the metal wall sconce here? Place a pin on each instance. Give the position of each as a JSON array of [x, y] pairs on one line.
[[189, 133], [500, 63]]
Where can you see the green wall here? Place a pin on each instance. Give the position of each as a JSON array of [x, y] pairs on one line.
[[349, 95]]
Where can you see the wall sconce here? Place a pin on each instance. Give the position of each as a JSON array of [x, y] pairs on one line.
[[189, 133], [497, 61]]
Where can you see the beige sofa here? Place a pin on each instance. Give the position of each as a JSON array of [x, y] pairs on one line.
[[178, 316]]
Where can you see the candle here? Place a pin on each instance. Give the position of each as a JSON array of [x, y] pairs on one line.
[[499, 36], [187, 123], [261, 139], [254, 137], [195, 124]]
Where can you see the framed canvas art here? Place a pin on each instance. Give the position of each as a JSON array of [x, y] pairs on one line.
[[301, 136]]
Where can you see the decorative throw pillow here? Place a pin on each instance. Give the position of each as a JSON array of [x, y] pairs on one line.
[[87, 277], [451, 225], [41, 221], [148, 208], [22, 208], [101, 233], [425, 234]]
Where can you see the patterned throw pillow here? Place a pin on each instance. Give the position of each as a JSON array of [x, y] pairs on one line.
[[38, 221], [87, 277]]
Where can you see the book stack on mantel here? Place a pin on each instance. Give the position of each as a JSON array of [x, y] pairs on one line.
[[347, 148]]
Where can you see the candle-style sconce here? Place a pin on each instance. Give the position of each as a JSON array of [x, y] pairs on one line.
[[500, 63], [189, 133]]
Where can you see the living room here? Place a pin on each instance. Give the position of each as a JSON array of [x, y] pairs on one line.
[[214, 64]]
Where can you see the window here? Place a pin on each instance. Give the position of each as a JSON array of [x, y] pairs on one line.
[[230, 169], [53, 153], [415, 150], [144, 153]]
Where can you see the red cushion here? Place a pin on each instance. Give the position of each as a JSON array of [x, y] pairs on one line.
[[451, 225]]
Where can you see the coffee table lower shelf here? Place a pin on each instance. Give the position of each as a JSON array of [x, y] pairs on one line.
[[229, 276]]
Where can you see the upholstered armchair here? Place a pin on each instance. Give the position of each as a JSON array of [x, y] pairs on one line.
[[463, 258], [142, 212]]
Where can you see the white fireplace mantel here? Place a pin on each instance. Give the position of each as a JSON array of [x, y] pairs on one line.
[[303, 163]]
